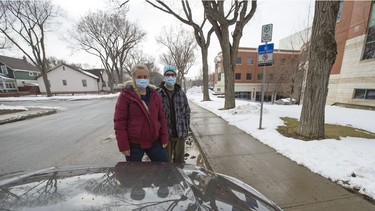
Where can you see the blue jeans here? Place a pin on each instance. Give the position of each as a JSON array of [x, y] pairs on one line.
[[156, 154]]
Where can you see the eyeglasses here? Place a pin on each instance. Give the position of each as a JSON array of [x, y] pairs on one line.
[[170, 75]]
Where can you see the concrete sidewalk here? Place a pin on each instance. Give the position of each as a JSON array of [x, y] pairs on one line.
[[231, 151]]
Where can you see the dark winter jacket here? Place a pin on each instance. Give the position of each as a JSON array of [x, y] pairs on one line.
[[181, 111], [135, 125]]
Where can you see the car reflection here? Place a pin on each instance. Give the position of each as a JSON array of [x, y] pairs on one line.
[[129, 186]]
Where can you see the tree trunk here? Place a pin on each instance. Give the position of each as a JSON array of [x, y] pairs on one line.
[[228, 71], [321, 59], [46, 83], [206, 96]]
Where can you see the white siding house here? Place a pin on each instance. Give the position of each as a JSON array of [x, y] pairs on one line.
[[65, 79], [103, 78]]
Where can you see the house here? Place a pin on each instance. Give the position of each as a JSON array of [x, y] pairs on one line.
[[103, 78], [7, 84], [352, 78], [66, 79], [17, 75]]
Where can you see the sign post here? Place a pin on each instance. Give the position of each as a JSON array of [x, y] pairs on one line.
[[266, 54]]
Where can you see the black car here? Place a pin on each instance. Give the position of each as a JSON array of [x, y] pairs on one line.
[[129, 186]]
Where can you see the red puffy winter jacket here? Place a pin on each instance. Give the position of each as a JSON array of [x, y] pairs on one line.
[[134, 124]]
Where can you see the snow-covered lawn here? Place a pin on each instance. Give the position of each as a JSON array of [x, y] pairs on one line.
[[349, 161]]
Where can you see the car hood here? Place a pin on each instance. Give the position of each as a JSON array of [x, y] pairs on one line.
[[129, 186]]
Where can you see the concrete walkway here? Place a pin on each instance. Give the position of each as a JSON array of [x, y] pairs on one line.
[[230, 151]]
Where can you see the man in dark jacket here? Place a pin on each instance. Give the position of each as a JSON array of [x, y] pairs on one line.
[[177, 113]]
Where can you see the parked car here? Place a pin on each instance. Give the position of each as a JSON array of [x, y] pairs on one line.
[[129, 186], [286, 101]]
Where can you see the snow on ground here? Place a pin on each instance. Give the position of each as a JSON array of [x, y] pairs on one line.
[[349, 161]]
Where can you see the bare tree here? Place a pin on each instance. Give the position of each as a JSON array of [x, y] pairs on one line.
[[137, 57], [291, 76], [202, 40], [238, 15], [134, 57], [275, 79], [25, 25], [53, 61], [155, 77], [3, 41], [323, 50], [181, 45], [109, 36]]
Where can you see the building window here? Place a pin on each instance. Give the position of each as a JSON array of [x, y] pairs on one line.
[[238, 60], [364, 94], [219, 76], [63, 67], [250, 60], [4, 69], [249, 76], [84, 83], [260, 76], [9, 85], [243, 95], [64, 82], [238, 76], [104, 84], [369, 52]]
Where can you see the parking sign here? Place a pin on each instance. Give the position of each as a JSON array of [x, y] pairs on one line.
[[267, 32]]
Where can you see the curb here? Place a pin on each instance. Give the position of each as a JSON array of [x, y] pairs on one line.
[[197, 142], [27, 116]]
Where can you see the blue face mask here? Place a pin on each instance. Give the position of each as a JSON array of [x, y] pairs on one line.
[[142, 83], [170, 81]]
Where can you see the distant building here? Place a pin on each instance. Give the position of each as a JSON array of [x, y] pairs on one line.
[[103, 78], [17, 75], [352, 80], [66, 79], [248, 76]]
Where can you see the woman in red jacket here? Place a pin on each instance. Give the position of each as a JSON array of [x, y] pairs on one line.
[[139, 120]]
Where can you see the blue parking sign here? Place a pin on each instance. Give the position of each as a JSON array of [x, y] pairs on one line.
[[265, 49]]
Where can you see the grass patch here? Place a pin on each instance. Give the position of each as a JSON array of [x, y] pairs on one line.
[[331, 131], [9, 111]]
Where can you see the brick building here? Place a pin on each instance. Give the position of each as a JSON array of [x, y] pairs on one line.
[[248, 76], [352, 80]]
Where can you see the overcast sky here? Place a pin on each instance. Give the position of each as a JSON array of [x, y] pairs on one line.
[[287, 18]]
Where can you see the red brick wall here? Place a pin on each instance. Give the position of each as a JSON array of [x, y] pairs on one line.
[[353, 23]]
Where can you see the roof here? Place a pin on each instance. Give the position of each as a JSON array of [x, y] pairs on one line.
[[18, 64], [73, 68], [6, 78], [97, 72]]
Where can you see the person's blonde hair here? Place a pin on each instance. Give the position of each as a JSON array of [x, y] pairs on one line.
[[139, 67]]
